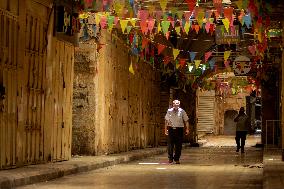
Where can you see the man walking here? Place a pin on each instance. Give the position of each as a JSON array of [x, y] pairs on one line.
[[241, 129], [175, 119]]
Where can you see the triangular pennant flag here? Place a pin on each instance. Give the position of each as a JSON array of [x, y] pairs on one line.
[[252, 49], [151, 24], [133, 22], [207, 27], [187, 15], [98, 18], [116, 19], [167, 35], [160, 48], [128, 29], [182, 62], [192, 56], [226, 64], [177, 30], [177, 65], [165, 26], [197, 63], [200, 17], [196, 27], [176, 53], [159, 27], [144, 43], [131, 68], [228, 12], [211, 63], [103, 22], [226, 23], [179, 14], [247, 20], [110, 20], [144, 27], [207, 55], [190, 67], [226, 55], [239, 4], [186, 27], [123, 24], [167, 59], [143, 15], [191, 4], [163, 4]]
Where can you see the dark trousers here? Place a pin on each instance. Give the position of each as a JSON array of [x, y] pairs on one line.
[[241, 139], [175, 143]]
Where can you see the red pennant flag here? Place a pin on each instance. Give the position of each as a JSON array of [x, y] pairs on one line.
[[191, 4], [131, 37], [207, 55], [182, 62], [145, 42], [187, 15], [167, 59], [160, 48], [228, 13]]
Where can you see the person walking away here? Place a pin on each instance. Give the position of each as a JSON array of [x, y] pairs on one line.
[[175, 120], [242, 128]]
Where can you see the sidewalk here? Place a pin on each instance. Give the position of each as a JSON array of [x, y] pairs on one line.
[[44, 172], [273, 169]]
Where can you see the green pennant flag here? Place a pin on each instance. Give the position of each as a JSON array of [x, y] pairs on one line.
[[165, 26]]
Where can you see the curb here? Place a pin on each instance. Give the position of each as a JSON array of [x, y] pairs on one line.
[[44, 172]]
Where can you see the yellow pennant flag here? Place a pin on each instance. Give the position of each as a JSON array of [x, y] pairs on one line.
[[159, 27], [177, 66], [131, 69], [200, 17], [197, 63], [259, 36], [227, 55], [226, 23], [176, 53], [123, 24], [133, 21], [163, 4], [98, 18], [177, 30], [186, 27]]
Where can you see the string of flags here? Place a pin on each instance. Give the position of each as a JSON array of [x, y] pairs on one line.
[[127, 17]]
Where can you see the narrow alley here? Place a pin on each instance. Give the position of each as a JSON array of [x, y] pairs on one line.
[[212, 166]]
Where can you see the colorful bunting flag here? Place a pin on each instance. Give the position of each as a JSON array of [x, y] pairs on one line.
[[182, 62], [186, 27], [177, 30], [192, 56], [160, 48], [197, 63], [176, 53], [163, 4], [123, 24], [165, 26], [226, 55], [207, 55], [131, 70], [226, 23], [145, 42]]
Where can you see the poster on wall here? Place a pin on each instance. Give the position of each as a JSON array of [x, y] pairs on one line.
[[241, 66]]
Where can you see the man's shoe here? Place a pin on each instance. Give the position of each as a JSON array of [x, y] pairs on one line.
[[177, 162], [238, 149], [170, 161]]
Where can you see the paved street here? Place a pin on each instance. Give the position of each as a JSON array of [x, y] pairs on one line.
[[206, 167]]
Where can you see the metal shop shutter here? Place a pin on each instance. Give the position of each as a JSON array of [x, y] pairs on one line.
[[205, 114]]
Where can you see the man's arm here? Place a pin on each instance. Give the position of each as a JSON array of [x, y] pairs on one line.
[[187, 127], [166, 127]]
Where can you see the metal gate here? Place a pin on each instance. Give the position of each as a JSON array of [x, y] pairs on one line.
[[205, 111]]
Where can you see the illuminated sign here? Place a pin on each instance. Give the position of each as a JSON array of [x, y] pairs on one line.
[[242, 65], [224, 37]]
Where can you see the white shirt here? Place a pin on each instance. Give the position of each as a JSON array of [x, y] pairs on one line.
[[177, 117]]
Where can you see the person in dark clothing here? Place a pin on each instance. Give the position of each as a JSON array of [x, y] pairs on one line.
[[175, 119], [242, 128]]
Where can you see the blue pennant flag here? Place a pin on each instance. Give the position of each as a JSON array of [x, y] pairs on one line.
[[212, 63], [192, 56]]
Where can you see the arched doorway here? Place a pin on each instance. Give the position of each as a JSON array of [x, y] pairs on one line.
[[229, 124]]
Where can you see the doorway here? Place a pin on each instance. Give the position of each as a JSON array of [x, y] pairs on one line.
[[229, 124]]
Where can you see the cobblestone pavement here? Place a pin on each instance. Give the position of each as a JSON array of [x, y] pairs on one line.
[[209, 167]]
